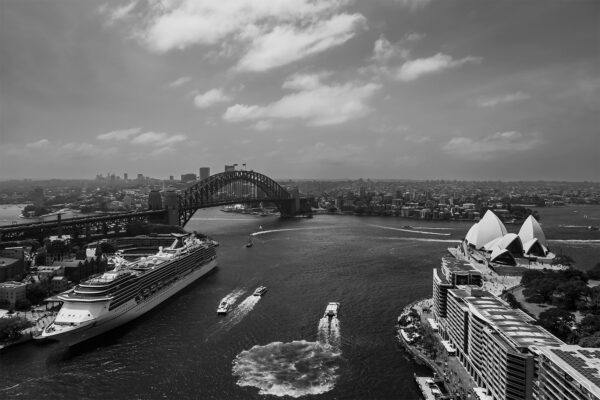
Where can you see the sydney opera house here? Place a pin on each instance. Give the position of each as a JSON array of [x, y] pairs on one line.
[[488, 241]]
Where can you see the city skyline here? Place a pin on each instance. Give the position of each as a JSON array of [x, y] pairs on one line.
[[389, 89]]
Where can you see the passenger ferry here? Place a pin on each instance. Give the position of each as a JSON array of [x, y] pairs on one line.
[[223, 308], [260, 291], [332, 310], [108, 300]]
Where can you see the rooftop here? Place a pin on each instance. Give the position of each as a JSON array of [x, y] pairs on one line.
[[516, 326], [581, 363], [454, 265]]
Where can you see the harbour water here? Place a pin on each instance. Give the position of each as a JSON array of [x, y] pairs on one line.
[[274, 345]]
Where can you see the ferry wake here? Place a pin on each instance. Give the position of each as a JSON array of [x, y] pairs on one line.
[[108, 300]]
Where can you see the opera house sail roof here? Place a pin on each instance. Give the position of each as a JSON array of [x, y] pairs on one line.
[[530, 230], [487, 229]]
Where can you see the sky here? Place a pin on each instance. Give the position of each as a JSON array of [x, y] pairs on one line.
[[330, 89]]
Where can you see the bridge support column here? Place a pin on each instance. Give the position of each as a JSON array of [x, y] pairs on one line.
[[171, 201]]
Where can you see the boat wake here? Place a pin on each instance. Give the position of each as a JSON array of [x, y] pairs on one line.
[[241, 311], [433, 228], [329, 332], [232, 297], [589, 242], [287, 229], [411, 230], [294, 369]]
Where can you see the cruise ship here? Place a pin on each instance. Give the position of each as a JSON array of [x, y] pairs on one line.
[[108, 300]]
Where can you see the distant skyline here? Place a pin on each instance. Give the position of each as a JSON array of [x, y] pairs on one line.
[[329, 89]]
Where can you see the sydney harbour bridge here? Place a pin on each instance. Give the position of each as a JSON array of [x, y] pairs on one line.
[[173, 207]]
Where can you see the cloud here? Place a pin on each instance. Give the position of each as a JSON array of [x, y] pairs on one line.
[[414, 69], [316, 103], [417, 139], [119, 13], [338, 154], [210, 98], [286, 44], [384, 51], [414, 4], [158, 139], [263, 34], [40, 144], [508, 98], [179, 82], [492, 146], [122, 134]]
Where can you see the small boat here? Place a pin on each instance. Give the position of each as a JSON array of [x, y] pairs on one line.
[[332, 309], [250, 242], [223, 308], [260, 291], [407, 227]]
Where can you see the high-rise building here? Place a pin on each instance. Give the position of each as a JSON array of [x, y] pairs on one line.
[[188, 177], [125, 177], [204, 173], [38, 197]]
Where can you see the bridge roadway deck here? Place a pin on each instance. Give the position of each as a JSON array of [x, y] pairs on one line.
[[18, 230]]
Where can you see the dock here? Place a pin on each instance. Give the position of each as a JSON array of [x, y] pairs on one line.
[[428, 387]]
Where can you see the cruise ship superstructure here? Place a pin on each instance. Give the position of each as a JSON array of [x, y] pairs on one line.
[[108, 300]]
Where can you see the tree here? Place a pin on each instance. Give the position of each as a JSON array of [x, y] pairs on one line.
[[22, 305], [512, 300], [590, 341], [37, 292], [594, 273], [570, 294], [557, 321], [589, 325]]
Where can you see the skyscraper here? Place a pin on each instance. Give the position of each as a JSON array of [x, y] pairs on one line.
[[204, 172]]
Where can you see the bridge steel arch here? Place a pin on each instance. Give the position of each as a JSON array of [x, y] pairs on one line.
[[231, 187]]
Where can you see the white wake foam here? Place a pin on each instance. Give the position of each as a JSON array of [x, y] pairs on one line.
[[242, 310], [287, 229], [323, 330], [232, 297], [590, 242], [433, 228], [294, 369], [335, 334], [411, 230]]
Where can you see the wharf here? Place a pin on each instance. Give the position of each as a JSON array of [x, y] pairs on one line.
[[426, 384]]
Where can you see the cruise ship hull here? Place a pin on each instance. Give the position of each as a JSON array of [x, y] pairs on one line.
[[128, 311]]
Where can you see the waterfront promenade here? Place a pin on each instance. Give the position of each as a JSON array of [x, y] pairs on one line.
[[447, 369]]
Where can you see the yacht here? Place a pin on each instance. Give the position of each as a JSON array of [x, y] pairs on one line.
[[223, 308]]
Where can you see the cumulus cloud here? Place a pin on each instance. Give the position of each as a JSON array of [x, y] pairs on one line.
[[414, 69], [122, 134], [179, 82], [315, 102], [266, 34], [508, 98], [40, 144], [492, 146], [210, 98], [158, 139]]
